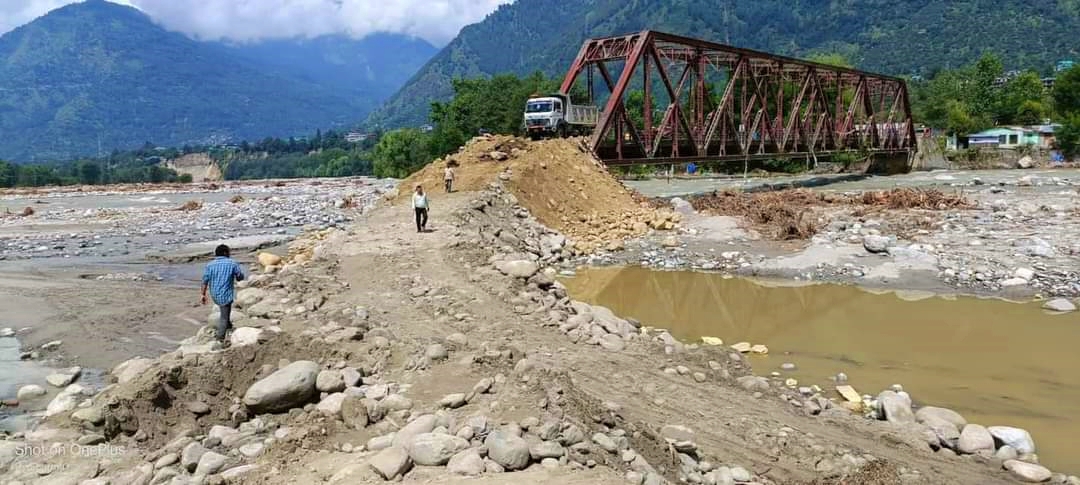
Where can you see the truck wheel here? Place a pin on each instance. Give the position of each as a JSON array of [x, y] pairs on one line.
[[562, 130]]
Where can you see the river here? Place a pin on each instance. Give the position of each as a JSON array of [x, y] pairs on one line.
[[995, 362]]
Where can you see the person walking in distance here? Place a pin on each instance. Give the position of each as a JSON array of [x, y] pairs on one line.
[[448, 178], [420, 206], [219, 279]]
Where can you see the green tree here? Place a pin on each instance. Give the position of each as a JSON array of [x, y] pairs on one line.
[[1022, 100], [400, 153], [494, 104], [9, 173], [1068, 135], [89, 173], [1067, 92]]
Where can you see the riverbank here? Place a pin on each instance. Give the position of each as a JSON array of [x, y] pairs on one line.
[[446, 354], [1017, 238]]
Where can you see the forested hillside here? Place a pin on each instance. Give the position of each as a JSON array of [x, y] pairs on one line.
[[903, 37], [94, 76]]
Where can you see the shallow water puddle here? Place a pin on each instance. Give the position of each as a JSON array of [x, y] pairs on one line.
[[995, 362]]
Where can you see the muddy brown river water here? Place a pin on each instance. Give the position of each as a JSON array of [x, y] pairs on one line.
[[995, 362]]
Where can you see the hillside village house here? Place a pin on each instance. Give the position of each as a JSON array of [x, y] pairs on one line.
[[1007, 137]]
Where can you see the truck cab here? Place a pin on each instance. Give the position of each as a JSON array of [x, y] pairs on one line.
[[556, 115]]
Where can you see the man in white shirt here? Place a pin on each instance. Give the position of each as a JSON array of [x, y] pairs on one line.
[[448, 178], [420, 206]]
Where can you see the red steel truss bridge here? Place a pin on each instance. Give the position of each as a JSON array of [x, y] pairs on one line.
[[673, 99]]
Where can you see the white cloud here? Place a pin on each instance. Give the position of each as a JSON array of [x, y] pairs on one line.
[[437, 21]]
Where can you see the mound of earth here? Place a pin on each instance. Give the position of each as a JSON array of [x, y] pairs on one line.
[[559, 181]]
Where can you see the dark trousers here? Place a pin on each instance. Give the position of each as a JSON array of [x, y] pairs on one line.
[[224, 321], [421, 219], [449, 185]]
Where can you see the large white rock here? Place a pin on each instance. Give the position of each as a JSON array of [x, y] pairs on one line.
[[519, 268], [509, 451], [431, 449], [975, 438], [330, 381], [391, 462], [242, 336], [66, 401], [130, 369], [331, 405], [1060, 305], [1017, 438], [1027, 472], [30, 391], [927, 413], [467, 463], [249, 296], [418, 426], [876, 244], [896, 408], [289, 387]]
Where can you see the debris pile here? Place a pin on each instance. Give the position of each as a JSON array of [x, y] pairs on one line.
[[789, 214], [558, 181]]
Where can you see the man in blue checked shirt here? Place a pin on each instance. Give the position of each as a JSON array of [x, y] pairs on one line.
[[220, 276]]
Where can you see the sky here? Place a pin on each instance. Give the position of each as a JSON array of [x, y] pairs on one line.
[[436, 21]]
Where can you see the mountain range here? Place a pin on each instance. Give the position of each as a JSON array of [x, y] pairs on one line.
[[95, 76], [899, 37]]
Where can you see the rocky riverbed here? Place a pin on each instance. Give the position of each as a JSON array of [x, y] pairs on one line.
[[374, 353], [1019, 239]]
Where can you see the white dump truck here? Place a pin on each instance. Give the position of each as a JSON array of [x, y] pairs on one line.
[[556, 115]]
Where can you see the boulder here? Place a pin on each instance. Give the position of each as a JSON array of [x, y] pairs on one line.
[[975, 438], [945, 433], [876, 244], [330, 381], [250, 296], [391, 462], [546, 449], [1060, 305], [242, 336], [1025, 162], [418, 426], [30, 391], [92, 415], [1027, 472], [210, 463], [1019, 439], [509, 451], [612, 342], [928, 413], [518, 268], [753, 383], [268, 259], [468, 463], [354, 412], [430, 449], [130, 369], [63, 379], [896, 408], [191, 455], [66, 401], [289, 387], [605, 442], [331, 405]]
